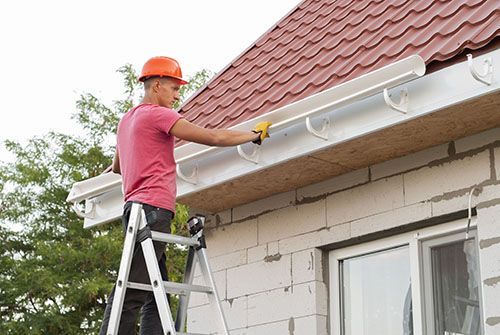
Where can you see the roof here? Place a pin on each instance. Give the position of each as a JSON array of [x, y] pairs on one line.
[[310, 52], [321, 44]]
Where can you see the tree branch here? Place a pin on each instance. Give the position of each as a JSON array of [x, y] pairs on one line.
[[32, 303]]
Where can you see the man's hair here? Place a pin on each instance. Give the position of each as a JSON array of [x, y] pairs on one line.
[[149, 81]]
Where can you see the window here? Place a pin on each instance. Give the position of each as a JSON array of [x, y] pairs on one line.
[[376, 293], [451, 282], [423, 282]]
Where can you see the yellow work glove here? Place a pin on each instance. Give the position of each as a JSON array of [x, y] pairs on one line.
[[262, 129]]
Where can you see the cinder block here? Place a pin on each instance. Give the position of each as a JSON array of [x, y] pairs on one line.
[[315, 239], [291, 221], [231, 260], [334, 184], [488, 221], [491, 297], [449, 205], [224, 217], [200, 320], [496, 152], [488, 197], [478, 140], [408, 162], [257, 254], [314, 324], [235, 311], [259, 277], [280, 327], [301, 242], [198, 299], [232, 237], [264, 205], [490, 261], [307, 266], [283, 304], [461, 202], [214, 220], [492, 326], [365, 200], [391, 219], [488, 234], [428, 182], [272, 248], [309, 325], [241, 331]]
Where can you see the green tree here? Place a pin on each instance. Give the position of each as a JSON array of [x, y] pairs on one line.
[[55, 275]]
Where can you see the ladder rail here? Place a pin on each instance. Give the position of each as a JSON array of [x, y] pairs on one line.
[[126, 261], [158, 289], [180, 320], [212, 298]]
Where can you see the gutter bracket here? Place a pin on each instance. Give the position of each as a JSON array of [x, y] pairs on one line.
[[192, 178], [487, 76], [253, 157], [323, 132], [402, 106], [87, 214]]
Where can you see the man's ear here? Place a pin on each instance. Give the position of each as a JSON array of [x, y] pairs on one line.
[[156, 85]]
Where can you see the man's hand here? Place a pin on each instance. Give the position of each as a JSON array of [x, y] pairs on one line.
[[261, 128], [108, 169]]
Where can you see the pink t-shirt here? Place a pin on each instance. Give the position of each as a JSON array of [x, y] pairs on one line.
[[146, 151]]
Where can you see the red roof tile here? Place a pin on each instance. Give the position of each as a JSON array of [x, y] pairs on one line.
[[321, 44]]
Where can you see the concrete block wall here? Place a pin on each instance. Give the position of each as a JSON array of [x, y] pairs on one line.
[[273, 279], [488, 216]]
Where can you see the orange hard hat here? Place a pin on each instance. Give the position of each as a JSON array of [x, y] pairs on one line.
[[162, 66]]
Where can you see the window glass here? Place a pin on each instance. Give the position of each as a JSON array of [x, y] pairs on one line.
[[455, 274], [376, 293]]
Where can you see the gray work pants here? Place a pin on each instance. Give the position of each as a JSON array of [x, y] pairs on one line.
[[158, 219]]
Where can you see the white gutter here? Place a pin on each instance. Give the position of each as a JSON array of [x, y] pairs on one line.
[[347, 117], [361, 87], [347, 111], [94, 186]]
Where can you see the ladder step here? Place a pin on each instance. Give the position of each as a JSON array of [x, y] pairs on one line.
[[169, 238], [173, 287]]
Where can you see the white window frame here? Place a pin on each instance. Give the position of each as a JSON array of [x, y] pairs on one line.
[[426, 247], [411, 239]]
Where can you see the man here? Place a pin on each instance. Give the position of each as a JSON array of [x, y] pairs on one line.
[[145, 158]]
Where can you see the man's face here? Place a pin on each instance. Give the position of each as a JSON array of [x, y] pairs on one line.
[[168, 92]]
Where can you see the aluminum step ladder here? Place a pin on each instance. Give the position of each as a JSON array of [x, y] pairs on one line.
[[138, 230]]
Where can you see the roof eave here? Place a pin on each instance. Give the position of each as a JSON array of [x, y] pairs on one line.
[[443, 106], [294, 157]]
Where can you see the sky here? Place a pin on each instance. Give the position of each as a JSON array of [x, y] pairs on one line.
[[53, 51]]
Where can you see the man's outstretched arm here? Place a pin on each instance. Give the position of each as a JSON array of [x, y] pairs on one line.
[[188, 131]]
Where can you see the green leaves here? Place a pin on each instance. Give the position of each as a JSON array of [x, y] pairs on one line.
[[54, 275], [101, 122], [130, 83], [195, 83]]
